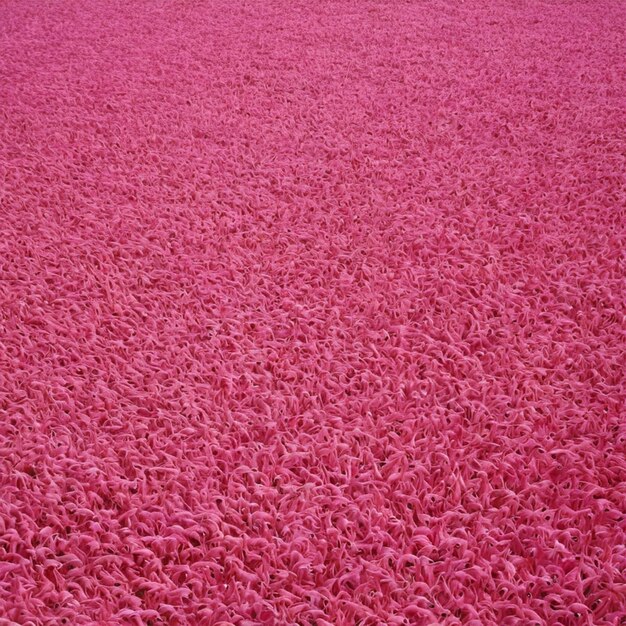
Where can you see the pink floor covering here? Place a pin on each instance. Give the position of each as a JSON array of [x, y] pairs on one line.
[[312, 313]]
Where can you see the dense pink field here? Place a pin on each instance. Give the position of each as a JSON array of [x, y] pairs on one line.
[[312, 313]]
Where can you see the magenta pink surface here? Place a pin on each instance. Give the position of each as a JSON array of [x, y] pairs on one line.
[[312, 313]]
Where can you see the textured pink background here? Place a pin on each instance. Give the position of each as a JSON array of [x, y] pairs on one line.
[[312, 313]]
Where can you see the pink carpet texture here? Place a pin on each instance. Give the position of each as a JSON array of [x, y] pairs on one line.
[[312, 313]]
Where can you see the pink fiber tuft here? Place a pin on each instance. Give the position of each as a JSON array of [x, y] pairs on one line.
[[312, 313]]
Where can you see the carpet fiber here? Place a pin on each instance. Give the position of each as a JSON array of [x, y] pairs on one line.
[[312, 313]]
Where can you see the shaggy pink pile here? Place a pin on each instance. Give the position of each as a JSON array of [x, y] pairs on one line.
[[312, 312]]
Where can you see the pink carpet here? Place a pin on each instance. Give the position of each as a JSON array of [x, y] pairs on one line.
[[312, 313]]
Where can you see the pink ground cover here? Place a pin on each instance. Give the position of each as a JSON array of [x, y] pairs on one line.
[[312, 313]]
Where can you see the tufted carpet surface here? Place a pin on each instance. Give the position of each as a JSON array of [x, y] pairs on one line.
[[312, 313]]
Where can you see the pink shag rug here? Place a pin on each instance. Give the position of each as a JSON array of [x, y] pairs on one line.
[[312, 313]]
